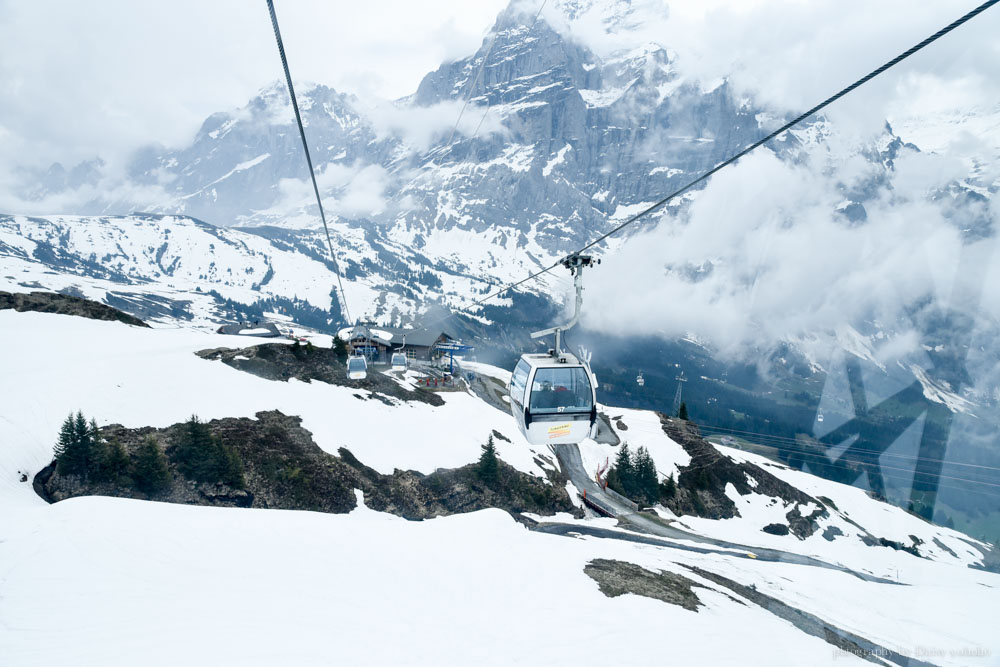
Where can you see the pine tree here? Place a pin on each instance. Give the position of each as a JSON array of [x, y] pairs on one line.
[[301, 351], [683, 412], [115, 462], [340, 349], [193, 449], [233, 467], [65, 441], [201, 456], [98, 452], [488, 468], [75, 447], [150, 472], [668, 489], [647, 485], [624, 472]]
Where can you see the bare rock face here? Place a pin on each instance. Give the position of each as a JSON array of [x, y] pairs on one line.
[[283, 468], [701, 485], [65, 304], [615, 577], [277, 361]]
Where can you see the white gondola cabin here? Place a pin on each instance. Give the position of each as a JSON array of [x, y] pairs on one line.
[[553, 398], [357, 368], [399, 361]]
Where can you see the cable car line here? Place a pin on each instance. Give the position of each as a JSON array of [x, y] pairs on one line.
[[725, 163], [777, 438], [779, 442], [762, 439], [899, 478], [305, 147]]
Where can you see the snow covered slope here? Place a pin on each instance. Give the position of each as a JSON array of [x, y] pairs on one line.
[[162, 584], [176, 269]]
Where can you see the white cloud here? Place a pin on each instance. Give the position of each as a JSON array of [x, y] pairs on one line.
[[763, 256], [789, 54], [351, 191], [85, 79], [421, 126]]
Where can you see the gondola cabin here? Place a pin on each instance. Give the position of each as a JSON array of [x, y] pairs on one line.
[[553, 398], [357, 368], [399, 361]]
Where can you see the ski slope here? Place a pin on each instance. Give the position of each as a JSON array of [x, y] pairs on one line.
[[109, 581]]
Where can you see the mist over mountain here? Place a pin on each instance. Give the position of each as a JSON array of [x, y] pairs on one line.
[[874, 242]]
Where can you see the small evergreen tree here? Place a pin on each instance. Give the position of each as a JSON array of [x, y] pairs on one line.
[[193, 448], [668, 489], [74, 448], [683, 412], [647, 484], [488, 468], [621, 477], [201, 456], [64, 442], [98, 453], [115, 463], [302, 351], [150, 472], [340, 349]]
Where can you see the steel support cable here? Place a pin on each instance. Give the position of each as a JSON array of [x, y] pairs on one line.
[[791, 444], [725, 163], [305, 147], [898, 478], [767, 439]]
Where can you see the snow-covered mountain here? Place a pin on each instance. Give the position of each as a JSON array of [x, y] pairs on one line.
[[168, 268], [562, 139], [557, 144], [721, 590]]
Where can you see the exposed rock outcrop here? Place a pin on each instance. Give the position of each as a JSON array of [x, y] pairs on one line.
[[65, 304], [615, 577], [701, 485], [278, 361], [284, 468]]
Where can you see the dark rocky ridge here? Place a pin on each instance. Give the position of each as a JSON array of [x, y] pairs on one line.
[[65, 304], [278, 361], [615, 577], [285, 469], [701, 485]]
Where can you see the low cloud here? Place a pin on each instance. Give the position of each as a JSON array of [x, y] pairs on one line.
[[421, 127], [787, 55], [350, 191], [765, 254]]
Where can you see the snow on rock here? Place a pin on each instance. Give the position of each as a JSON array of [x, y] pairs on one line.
[[854, 515], [246, 585], [641, 429], [157, 381]]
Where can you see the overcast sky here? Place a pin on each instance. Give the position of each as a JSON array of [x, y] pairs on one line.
[[101, 78], [82, 78]]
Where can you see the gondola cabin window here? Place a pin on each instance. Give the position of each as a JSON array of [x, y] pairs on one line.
[[561, 390], [519, 380]]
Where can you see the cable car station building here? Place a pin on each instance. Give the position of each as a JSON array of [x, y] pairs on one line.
[[378, 343]]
